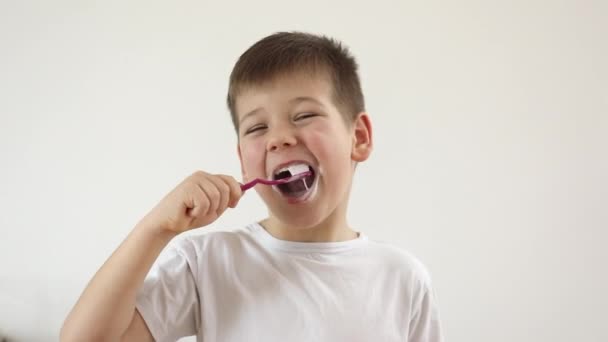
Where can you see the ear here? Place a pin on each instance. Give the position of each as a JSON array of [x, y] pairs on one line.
[[238, 150], [362, 138]]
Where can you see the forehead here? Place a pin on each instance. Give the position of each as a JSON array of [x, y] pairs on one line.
[[283, 90]]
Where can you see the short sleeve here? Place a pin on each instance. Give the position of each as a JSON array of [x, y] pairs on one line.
[[425, 325], [168, 300]]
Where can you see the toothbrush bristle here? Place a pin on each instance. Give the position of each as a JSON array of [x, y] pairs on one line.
[[298, 169]]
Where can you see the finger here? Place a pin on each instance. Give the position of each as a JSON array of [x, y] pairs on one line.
[[224, 191], [235, 190], [192, 193], [213, 194], [197, 201]]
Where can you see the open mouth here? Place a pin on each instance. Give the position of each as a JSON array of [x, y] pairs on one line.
[[298, 187]]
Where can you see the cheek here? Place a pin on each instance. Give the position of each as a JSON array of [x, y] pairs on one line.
[[325, 143], [252, 155]]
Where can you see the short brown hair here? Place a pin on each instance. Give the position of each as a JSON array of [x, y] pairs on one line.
[[285, 52]]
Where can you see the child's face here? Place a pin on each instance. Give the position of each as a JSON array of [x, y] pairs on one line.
[[294, 120]]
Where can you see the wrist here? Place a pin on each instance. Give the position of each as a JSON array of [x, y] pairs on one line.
[[157, 231]]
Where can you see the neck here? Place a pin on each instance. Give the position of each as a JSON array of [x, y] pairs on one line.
[[333, 229]]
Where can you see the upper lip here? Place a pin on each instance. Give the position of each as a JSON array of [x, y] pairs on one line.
[[291, 162]]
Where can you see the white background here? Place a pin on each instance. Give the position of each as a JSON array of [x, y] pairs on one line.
[[491, 135]]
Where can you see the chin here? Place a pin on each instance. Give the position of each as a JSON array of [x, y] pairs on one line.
[[299, 218]]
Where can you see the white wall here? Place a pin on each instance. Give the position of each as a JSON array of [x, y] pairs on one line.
[[491, 132]]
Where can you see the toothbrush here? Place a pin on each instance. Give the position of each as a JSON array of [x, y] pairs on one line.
[[247, 186]]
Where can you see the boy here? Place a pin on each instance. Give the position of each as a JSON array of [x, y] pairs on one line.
[[302, 274]]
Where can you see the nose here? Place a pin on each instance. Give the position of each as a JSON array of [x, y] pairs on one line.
[[280, 139]]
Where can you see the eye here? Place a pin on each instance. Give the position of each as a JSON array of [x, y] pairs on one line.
[[255, 129], [303, 116]]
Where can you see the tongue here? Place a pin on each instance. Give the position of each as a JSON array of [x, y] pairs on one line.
[[293, 188], [298, 187]]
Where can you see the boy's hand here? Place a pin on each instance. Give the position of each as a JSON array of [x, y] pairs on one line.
[[196, 202]]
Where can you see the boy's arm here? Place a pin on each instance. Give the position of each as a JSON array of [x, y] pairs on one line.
[[138, 330], [106, 309]]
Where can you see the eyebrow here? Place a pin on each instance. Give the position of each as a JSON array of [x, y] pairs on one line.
[[305, 99], [293, 101], [251, 113]]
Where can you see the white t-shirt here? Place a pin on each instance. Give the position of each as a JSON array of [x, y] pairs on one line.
[[246, 285]]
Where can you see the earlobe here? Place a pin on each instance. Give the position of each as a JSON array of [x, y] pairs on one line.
[[362, 138]]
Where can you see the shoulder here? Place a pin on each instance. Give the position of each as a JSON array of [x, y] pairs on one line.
[[202, 241], [401, 263]]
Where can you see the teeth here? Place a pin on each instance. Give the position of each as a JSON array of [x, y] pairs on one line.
[[294, 169]]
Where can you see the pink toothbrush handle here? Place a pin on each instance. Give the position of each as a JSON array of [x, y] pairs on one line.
[[249, 185]]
